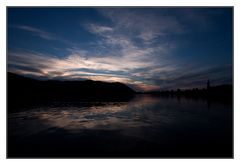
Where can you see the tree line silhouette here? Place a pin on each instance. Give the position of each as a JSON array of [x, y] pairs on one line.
[[223, 93]]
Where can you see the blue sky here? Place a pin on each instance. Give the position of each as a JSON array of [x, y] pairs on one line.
[[145, 48]]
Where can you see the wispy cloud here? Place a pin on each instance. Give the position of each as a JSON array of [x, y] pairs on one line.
[[100, 29], [191, 78], [146, 26], [38, 32], [44, 34], [74, 66], [131, 34]]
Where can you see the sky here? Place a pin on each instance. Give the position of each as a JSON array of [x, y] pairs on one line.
[[145, 48]]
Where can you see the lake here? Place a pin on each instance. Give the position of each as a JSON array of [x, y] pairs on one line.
[[145, 126]]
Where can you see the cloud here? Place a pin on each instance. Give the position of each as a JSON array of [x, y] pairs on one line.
[[44, 34], [38, 32], [145, 25], [75, 61], [185, 78], [75, 66], [121, 38], [99, 28]]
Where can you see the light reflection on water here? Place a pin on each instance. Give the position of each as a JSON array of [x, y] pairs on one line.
[[144, 117]]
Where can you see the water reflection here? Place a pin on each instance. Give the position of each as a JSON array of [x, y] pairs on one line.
[[145, 120], [104, 115]]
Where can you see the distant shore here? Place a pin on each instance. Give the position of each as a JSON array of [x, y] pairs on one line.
[[22, 92]]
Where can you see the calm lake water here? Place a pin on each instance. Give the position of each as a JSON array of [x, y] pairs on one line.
[[146, 126]]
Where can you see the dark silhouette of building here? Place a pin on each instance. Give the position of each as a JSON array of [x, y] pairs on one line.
[[208, 85]]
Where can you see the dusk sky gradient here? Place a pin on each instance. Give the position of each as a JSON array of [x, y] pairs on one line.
[[145, 48]]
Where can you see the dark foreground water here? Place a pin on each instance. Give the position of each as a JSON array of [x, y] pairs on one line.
[[146, 126]]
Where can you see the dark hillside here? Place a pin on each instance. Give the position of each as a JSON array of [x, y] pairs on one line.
[[23, 91]]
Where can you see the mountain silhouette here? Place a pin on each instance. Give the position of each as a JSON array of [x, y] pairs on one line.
[[23, 91]]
